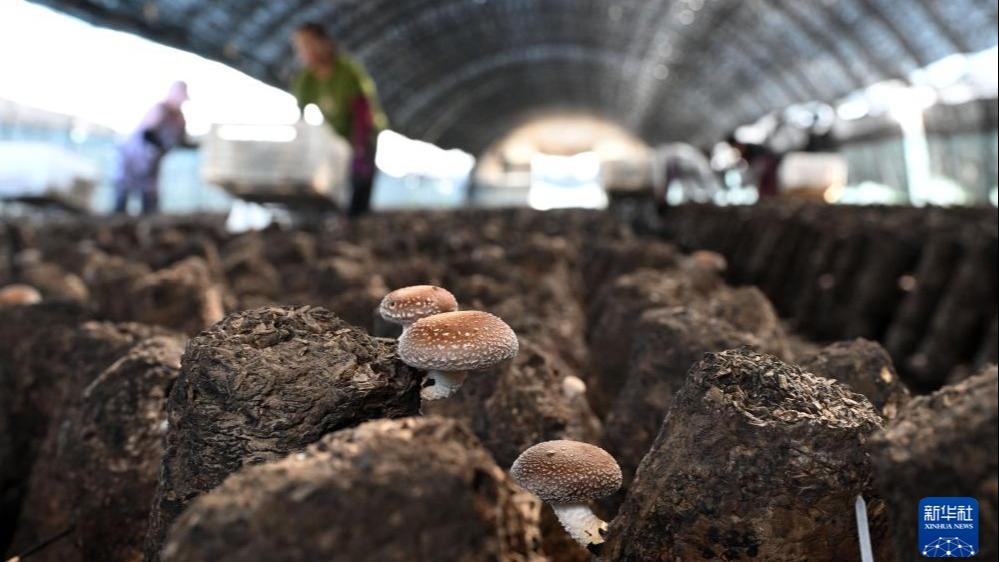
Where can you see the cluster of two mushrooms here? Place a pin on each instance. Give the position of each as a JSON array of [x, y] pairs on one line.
[[445, 342]]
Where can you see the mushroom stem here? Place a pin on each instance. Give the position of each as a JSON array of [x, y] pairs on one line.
[[445, 383], [580, 522]]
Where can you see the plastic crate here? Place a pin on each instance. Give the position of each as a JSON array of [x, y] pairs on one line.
[[298, 164]]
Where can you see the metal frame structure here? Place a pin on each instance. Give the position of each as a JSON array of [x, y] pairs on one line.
[[461, 73]]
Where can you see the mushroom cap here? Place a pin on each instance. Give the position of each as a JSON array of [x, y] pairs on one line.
[[567, 472], [457, 341], [409, 304], [709, 260], [19, 293]]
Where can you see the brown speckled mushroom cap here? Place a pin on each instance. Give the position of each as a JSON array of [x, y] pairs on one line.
[[567, 472], [457, 341], [409, 304]]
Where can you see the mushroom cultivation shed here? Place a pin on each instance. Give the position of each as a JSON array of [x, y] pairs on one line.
[[461, 73]]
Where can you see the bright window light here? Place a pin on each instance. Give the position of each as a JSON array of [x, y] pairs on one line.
[[58, 63], [566, 181], [258, 133], [853, 109], [312, 115], [400, 156]]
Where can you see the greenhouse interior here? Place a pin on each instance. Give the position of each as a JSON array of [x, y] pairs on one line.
[[499, 280]]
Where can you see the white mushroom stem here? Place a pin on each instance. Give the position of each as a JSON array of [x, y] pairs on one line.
[[581, 524], [863, 531], [445, 384]]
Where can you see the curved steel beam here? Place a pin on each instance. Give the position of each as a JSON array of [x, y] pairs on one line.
[[873, 9], [498, 61]]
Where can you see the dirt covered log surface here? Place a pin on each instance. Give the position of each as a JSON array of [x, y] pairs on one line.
[[409, 490], [46, 379], [944, 444], [756, 460], [178, 380], [101, 470], [922, 281], [866, 368], [264, 383], [668, 342]]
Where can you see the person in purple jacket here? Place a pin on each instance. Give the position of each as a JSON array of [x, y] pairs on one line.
[[140, 154]]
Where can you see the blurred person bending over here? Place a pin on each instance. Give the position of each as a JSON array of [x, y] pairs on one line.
[[139, 156], [346, 96], [763, 162]]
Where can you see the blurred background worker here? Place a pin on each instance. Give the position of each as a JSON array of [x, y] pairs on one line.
[[139, 156], [763, 162], [346, 96]]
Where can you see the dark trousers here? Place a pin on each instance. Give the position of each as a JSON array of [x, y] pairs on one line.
[[150, 199], [362, 179], [360, 195]]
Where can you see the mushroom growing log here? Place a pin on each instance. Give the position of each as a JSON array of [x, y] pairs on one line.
[[668, 341], [756, 460], [613, 314], [116, 449], [51, 489], [865, 367], [57, 355], [100, 472], [264, 383], [943, 444], [409, 490], [183, 297]]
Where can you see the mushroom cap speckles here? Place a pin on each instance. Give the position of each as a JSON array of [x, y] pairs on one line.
[[408, 304], [457, 341], [567, 472]]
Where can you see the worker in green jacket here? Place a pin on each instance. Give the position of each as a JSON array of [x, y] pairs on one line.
[[346, 96]]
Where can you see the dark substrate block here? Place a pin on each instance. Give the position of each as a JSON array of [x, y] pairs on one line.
[[942, 444], [865, 367], [756, 460], [668, 342], [409, 490], [183, 297], [264, 383], [99, 480]]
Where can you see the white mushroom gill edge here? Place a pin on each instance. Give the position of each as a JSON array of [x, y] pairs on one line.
[[580, 522], [445, 383]]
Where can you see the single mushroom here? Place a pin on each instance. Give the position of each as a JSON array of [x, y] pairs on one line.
[[573, 387], [19, 294], [567, 475], [409, 304], [705, 260], [450, 344]]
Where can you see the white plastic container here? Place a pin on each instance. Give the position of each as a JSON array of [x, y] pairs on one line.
[[812, 170], [299, 165]]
